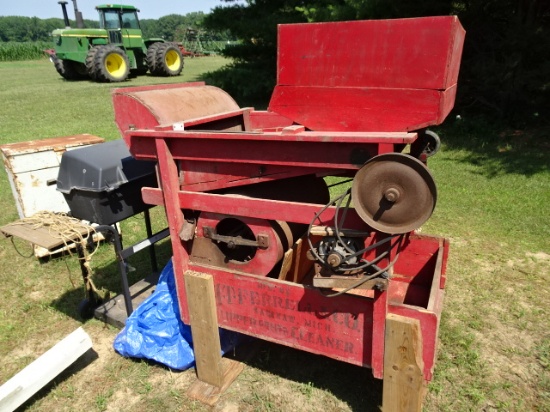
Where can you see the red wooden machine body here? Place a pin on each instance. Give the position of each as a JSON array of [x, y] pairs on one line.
[[246, 198]]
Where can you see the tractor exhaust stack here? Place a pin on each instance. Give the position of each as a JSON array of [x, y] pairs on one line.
[[78, 16], [65, 15]]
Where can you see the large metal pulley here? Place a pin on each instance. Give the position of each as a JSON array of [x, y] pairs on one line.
[[394, 193]]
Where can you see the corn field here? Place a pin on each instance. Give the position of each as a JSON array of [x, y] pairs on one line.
[[12, 51]]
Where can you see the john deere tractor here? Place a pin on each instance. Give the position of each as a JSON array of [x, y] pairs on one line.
[[112, 52]]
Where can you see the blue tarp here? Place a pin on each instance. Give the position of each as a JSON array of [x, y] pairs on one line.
[[155, 331]]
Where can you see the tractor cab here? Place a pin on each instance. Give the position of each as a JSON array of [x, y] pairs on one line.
[[121, 22]]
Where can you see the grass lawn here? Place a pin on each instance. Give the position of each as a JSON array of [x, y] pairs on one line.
[[493, 203]]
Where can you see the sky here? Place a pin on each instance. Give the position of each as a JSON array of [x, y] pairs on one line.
[[149, 9]]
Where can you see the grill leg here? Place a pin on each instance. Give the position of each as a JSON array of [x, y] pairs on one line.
[[122, 268]]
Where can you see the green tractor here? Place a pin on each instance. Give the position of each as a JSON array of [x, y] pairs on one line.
[[112, 52]]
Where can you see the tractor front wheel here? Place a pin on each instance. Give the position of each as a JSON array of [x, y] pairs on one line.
[[111, 64], [152, 57], [90, 62], [168, 60]]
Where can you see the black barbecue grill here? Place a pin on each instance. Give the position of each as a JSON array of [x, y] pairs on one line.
[[102, 184]]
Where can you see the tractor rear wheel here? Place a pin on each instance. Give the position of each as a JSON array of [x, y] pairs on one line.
[[168, 60], [68, 69], [111, 64]]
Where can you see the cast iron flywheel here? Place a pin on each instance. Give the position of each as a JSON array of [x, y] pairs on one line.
[[394, 193]]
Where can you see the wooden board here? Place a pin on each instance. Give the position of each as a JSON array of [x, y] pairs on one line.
[[404, 385], [210, 394], [214, 373], [40, 236], [204, 326], [370, 75]]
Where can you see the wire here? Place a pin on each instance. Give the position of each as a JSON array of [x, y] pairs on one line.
[[370, 277], [353, 268]]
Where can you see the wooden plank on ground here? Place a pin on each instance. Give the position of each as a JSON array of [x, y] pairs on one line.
[[210, 394], [34, 377], [404, 385]]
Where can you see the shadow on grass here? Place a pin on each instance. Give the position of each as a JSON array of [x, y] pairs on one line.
[[108, 278], [353, 385], [497, 150]]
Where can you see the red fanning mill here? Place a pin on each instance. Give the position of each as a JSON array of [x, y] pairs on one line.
[[249, 210]]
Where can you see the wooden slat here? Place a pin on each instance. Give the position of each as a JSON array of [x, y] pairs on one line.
[[251, 207], [436, 282], [40, 236], [214, 373], [201, 303], [403, 378], [56, 144], [287, 263]]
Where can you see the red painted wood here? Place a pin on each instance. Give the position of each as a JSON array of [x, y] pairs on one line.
[[169, 182], [149, 106], [362, 109], [251, 207], [131, 111], [380, 311], [419, 256], [295, 315], [385, 75], [417, 53], [263, 120], [205, 176], [315, 150], [354, 82]]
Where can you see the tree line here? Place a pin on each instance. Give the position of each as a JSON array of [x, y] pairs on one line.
[[505, 68], [32, 29]]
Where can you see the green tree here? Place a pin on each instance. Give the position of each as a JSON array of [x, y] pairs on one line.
[[251, 76]]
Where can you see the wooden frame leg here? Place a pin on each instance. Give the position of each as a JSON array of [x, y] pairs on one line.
[[404, 385], [214, 372]]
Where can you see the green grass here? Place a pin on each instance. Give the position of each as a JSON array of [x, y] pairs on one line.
[[493, 203]]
